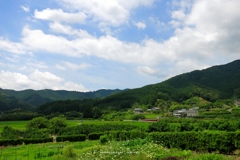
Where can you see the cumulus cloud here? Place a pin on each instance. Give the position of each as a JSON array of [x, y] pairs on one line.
[[68, 30], [205, 36], [109, 12], [204, 33], [36, 80], [12, 47], [57, 15], [140, 25]]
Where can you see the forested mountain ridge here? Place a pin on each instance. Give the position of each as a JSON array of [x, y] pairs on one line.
[[10, 99], [212, 84]]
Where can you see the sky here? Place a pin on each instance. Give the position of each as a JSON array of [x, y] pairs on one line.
[[87, 45]]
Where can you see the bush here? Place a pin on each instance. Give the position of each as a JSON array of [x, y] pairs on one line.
[[138, 116], [94, 136], [10, 133], [126, 135], [69, 152], [25, 141], [224, 142], [104, 139], [71, 138]]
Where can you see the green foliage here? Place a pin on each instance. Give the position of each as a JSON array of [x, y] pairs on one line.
[[73, 115], [69, 152], [38, 123], [96, 113], [87, 129], [18, 114], [57, 124], [14, 142], [125, 135], [71, 138], [104, 139], [160, 126], [208, 156], [10, 133], [94, 136], [138, 116], [223, 142]]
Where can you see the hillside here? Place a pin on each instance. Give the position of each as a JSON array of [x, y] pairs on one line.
[[214, 83], [10, 99], [210, 85]]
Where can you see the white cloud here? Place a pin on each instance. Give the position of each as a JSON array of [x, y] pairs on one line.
[[57, 15], [72, 66], [25, 8], [68, 30], [36, 80], [146, 70], [206, 31], [180, 15], [204, 36], [109, 12], [140, 25], [12, 47], [12, 80]]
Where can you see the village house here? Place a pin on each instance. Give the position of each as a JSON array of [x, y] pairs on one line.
[[153, 109], [185, 113], [138, 110]]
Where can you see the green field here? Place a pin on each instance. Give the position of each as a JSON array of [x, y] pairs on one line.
[[41, 151], [14, 124], [22, 124], [128, 150]]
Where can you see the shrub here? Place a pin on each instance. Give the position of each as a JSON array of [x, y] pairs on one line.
[[94, 136], [69, 152], [71, 138], [138, 116], [104, 139], [224, 142]]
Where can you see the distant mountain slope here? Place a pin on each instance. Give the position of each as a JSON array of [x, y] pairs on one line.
[[217, 82], [9, 102], [225, 79], [39, 97], [214, 83]]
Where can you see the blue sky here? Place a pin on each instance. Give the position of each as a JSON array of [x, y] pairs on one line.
[[89, 45]]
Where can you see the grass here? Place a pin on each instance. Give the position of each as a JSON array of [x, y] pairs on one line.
[[128, 150], [46, 151], [21, 125]]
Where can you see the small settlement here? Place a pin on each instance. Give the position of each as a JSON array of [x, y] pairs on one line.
[[193, 112]]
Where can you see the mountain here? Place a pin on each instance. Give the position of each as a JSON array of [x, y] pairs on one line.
[[214, 83], [10, 99], [10, 102], [211, 84]]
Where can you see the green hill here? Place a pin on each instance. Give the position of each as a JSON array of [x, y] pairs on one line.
[[10, 99], [212, 84]]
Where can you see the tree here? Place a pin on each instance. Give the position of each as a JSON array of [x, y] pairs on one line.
[[38, 123], [96, 112], [10, 133], [56, 124]]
